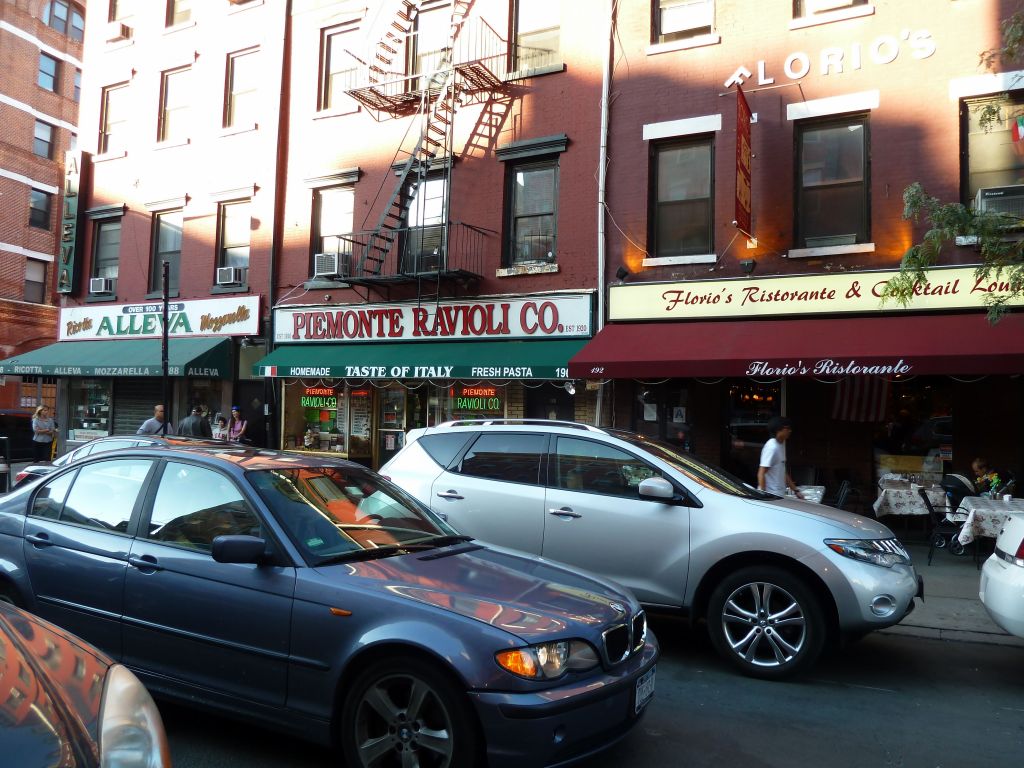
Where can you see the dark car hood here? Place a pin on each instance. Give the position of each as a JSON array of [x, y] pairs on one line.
[[529, 597], [50, 708]]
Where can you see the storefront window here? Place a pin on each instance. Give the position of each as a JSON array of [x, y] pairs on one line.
[[916, 438], [89, 401], [750, 406]]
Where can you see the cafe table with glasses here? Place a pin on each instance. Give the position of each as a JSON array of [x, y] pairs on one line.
[[897, 496], [983, 517]]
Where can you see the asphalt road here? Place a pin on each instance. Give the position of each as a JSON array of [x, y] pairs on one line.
[[890, 700]]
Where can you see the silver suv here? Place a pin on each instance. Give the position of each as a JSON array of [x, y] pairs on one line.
[[775, 578]]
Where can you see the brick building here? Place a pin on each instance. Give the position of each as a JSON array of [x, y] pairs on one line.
[[41, 58]]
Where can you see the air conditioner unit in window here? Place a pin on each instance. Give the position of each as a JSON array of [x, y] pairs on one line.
[[686, 16], [118, 31], [331, 265], [101, 285], [229, 276], [1007, 200]]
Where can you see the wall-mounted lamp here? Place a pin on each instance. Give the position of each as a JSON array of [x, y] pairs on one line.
[[622, 273], [570, 387], [747, 265], [245, 343]]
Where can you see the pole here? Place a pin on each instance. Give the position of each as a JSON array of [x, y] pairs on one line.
[[602, 178], [165, 279]]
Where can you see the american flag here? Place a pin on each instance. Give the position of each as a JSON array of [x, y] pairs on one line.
[[860, 398]]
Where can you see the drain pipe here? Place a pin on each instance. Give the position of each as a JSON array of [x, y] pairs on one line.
[[602, 177]]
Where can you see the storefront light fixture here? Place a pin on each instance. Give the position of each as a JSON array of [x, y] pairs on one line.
[[621, 273], [570, 387], [747, 266]]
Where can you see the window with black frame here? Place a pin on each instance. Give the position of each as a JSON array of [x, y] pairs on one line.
[[532, 217], [178, 12], [67, 18], [683, 19], [241, 104], [833, 203], [537, 33], [35, 281], [994, 130], [167, 227], [175, 97], [39, 206], [114, 119], [42, 140], [424, 241], [335, 212], [683, 204], [107, 250], [47, 77], [427, 49], [234, 229], [339, 70]]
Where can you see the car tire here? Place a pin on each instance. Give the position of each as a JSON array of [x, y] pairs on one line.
[[772, 640], [379, 728]]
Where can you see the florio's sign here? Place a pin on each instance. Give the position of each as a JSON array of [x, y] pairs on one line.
[[824, 294]]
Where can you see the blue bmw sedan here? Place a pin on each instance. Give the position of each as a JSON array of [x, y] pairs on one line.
[[311, 595]]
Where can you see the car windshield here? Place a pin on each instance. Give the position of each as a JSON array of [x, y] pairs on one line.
[[338, 513], [706, 475]]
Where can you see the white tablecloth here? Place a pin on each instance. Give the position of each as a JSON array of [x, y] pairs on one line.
[[983, 517], [898, 499]]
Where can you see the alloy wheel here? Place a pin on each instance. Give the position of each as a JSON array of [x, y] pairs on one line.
[[764, 624]]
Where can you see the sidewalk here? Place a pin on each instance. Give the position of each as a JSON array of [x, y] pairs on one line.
[[951, 609]]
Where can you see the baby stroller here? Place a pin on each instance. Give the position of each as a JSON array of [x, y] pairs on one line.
[[956, 487]]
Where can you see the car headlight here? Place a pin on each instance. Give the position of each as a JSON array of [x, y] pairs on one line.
[[883, 552], [131, 731], [546, 661]]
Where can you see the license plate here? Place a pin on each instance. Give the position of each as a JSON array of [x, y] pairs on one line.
[[644, 690]]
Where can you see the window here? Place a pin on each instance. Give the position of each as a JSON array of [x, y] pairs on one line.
[[680, 19], [178, 12], [242, 102], [48, 69], [591, 467], [103, 494], [429, 42], [832, 168], [424, 240], [167, 227], [50, 498], [683, 215], [995, 151], [334, 213], [67, 18], [194, 505], [533, 212], [121, 10], [77, 94], [106, 249], [42, 142], [35, 281], [39, 204], [803, 8], [114, 119], [537, 33], [339, 71], [235, 223], [174, 105], [508, 457]]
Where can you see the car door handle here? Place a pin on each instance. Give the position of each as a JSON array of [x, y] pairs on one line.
[[449, 494], [564, 512], [39, 539], [144, 563]]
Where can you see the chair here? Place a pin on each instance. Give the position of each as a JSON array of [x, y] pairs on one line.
[[943, 532], [842, 495]]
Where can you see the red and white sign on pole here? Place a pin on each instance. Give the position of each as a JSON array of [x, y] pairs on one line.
[[743, 218]]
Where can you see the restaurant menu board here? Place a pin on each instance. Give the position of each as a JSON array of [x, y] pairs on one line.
[[341, 419], [359, 421]]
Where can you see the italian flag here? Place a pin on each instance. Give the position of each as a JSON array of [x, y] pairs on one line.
[[268, 370], [1017, 127]]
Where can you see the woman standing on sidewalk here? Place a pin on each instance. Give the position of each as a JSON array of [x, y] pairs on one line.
[[43, 431]]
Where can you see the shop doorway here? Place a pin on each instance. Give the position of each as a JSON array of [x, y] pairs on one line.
[[249, 397], [550, 402]]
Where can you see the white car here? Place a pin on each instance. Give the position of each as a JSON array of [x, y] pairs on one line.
[[1002, 578]]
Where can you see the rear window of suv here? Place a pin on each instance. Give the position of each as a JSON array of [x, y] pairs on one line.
[[444, 447]]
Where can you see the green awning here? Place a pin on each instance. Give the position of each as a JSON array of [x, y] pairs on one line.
[[471, 360], [202, 356]]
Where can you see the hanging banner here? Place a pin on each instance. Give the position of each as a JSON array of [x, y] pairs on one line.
[[743, 156]]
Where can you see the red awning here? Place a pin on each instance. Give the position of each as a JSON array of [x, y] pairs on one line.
[[823, 347]]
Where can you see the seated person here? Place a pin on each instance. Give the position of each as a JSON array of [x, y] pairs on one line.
[[986, 479]]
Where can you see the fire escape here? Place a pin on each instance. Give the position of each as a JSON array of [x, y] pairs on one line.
[[404, 74]]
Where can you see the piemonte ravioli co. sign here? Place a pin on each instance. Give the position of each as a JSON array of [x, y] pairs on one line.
[[824, 294]]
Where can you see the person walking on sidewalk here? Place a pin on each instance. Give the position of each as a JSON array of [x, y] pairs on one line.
[[772, 474], [195, 424], [43, 431], [156, 425]]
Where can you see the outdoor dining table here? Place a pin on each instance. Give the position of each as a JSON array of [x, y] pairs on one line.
[[900, 497], [982, 516]]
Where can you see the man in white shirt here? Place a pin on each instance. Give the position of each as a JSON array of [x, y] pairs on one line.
[[772, 474]]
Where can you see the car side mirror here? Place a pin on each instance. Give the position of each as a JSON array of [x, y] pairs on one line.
[[239, 549], [656, 488]]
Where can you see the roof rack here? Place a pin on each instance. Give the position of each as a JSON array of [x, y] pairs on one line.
[[521, 422]]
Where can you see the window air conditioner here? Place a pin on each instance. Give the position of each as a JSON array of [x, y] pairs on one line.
[[684, 16], [118, 31], [229, 276], [331, 265], [1007, 200], [101, 285], [822, 6]]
